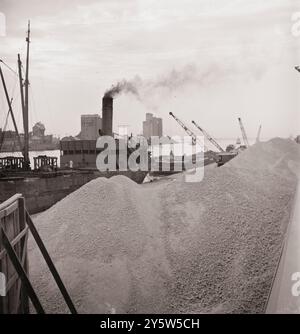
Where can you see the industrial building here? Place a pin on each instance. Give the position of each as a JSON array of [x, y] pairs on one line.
[[81, 150], [90, 126], [152, 126], [38, 130], [38, 140]]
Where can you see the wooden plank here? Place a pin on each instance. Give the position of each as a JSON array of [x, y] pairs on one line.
[[12, 223], [9, 268], [12, 281], [24, 300], [10, 201], [10, 209], [15, 225], [9, 231], [27, 285], [3, 269], [15, 240]]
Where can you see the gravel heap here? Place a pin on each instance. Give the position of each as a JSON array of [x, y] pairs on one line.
[[172, 246]]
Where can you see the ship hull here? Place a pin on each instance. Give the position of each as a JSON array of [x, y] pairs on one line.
[[42, 190], [168, 168]]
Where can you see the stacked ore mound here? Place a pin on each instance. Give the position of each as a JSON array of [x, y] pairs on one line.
[[172, 247]]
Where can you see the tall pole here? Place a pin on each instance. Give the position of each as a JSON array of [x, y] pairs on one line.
[[10, 108], [258, 134], [26, 104], [245, 138], [21, 90]]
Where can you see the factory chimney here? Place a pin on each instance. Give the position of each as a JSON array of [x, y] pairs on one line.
[[107, 116]]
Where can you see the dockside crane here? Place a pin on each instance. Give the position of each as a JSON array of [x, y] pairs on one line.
[[258, 134], [208, 137], [186, 129], [245, 138]]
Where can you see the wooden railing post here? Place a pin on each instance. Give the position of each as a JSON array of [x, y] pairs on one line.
[[24, 302]]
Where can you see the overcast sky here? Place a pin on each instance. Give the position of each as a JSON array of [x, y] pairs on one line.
[[213, 60]]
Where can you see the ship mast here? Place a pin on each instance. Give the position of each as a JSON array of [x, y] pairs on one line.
[[21, 90], [26, 104], [10, 107]]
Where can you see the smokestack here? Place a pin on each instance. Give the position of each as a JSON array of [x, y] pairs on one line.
[[107, 115]]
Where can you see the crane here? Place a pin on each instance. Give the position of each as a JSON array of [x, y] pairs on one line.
[[186, 129], [245, 138], [210, 138], [258, 134]]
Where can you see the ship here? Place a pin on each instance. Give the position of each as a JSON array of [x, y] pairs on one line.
[[45, 183]]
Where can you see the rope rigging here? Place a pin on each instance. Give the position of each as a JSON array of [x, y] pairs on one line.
[[4, 63], [4, 129], [9, 101]]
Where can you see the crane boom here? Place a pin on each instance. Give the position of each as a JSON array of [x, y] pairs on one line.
[[245, 138], [186, 129], [210, 138], [258, 134]]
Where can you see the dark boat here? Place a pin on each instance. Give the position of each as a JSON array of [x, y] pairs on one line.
[[172, 165]]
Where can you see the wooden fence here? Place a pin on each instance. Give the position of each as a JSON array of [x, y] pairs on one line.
[[15, 285], [12, 222]]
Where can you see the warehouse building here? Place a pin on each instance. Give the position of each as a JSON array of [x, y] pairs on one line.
[[152, 126]]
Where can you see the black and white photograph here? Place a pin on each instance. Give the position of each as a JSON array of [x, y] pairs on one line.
[[149, 160]]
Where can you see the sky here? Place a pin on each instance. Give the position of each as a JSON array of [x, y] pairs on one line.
[[211, 61]]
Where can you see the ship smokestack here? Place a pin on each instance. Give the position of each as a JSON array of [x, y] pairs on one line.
[[107, 115]]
